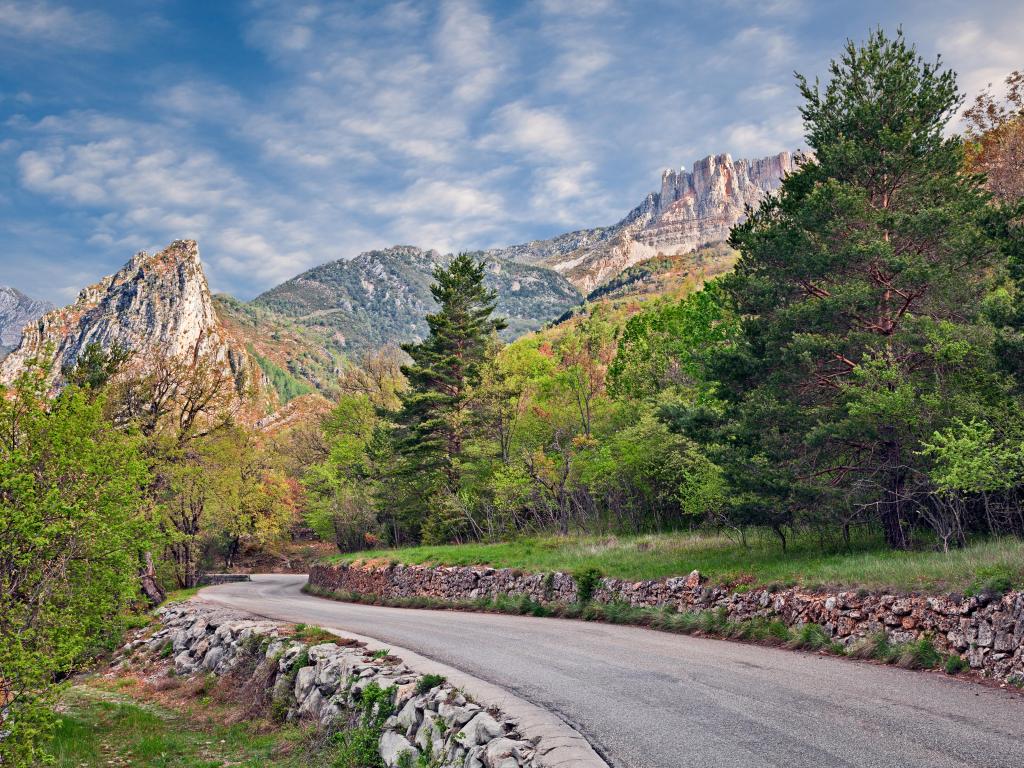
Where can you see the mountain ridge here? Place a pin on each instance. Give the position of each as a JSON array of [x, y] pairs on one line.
[[17, 310], [691, 209], [382, 296]]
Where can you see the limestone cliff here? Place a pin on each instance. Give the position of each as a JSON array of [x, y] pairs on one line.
[[156, 304], [690, 209], [16, 311]]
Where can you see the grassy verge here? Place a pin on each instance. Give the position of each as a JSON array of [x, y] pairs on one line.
[[920, 654], [101, 726], [809, 561]]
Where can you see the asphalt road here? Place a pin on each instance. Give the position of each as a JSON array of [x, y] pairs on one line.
[[646, 698]]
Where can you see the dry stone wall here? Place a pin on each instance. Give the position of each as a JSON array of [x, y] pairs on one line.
[[987, 629], [323, 683]]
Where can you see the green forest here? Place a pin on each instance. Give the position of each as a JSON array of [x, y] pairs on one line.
[[857, 377]]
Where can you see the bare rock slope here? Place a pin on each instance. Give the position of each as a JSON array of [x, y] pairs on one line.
[[16, 311], [691, 209]]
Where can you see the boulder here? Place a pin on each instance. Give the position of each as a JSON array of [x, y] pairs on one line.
[[480, 730], [393, 749]]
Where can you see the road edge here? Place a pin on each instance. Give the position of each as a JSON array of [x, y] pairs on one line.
[[559, 744]]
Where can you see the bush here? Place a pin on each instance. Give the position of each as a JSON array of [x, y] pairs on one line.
[[587, 581]]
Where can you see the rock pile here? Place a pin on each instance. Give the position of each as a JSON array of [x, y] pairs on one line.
[[987, 629], [324, 683]]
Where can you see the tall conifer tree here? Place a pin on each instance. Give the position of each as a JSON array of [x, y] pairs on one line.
[[433, 419], [861, 289]]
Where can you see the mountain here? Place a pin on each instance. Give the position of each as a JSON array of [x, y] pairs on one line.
[[691, 209], [382, 297], [156, 304], [16, 311]]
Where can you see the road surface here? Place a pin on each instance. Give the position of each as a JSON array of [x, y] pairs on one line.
[[648, 699]]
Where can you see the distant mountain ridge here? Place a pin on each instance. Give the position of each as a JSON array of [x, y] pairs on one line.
[[690, 209], [381, 297], [16, 311]]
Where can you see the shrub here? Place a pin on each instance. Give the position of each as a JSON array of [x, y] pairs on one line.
[[587, 581]]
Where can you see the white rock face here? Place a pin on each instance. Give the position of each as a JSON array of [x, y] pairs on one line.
[[691, 209], [16, 311], [157, 301]]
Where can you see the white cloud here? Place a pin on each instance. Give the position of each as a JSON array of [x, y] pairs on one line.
[[46, 23]]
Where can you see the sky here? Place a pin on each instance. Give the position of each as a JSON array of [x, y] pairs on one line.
[[283, 134]]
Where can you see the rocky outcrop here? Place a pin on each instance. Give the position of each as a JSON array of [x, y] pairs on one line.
[[987, 629], [16, 311], [689, 210], [155, 303], [324, 684]]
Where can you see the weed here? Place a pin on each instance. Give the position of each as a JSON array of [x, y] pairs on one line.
[[919, 654], [991, 581], [167, 650], [1017, 681], [429, 682], [810, 636], [381, 653], [954, 664]]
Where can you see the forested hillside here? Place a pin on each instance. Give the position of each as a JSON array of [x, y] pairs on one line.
[[381, 297]]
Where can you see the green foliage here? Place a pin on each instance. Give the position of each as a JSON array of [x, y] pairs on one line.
[[432, 428], [810, 636], [429, 682], [861, 288], [70, 537], [287, 386], [357, 747], [955, 664], [919, 654], [994, 580], [587, 582]]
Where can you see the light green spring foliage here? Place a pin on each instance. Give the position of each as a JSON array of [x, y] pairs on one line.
[[71, 531]]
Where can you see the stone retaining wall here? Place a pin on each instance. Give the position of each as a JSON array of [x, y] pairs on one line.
[[988, 630], [323, 683]]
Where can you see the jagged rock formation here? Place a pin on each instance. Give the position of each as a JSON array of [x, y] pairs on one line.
[[156, 304], [382, 297], [691, 209], [16, 311]]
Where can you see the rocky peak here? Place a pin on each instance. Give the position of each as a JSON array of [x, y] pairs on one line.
[[16, 311], [158, 301], [691, 208]]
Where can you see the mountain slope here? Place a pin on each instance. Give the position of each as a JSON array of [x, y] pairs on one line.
[[382, 297], [691, 209], [16, 311], [156, 305]]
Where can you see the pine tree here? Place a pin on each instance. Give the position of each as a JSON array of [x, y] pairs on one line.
[[861, 289], [433, 420]]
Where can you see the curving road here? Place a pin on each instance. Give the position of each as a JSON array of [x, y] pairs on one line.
[[649, 699]]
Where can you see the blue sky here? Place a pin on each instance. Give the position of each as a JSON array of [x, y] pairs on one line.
[[283, 134]]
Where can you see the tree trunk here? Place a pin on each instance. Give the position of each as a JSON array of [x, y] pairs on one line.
[[150, 586]]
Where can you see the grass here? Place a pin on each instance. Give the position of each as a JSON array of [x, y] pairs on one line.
[[99, 728], [178, 595], [809, 561]]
